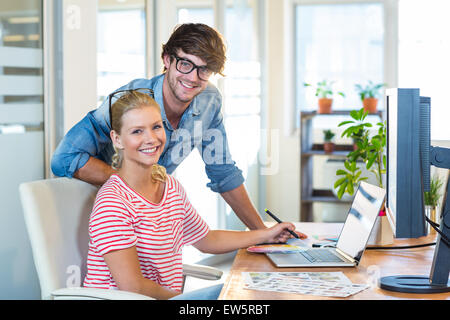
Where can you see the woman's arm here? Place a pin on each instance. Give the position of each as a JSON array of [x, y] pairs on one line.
[[221, 241], [126, 272]]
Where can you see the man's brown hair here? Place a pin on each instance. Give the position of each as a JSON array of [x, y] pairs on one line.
[[199, 40]]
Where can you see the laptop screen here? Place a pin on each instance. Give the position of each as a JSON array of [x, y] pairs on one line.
[[360, 220]]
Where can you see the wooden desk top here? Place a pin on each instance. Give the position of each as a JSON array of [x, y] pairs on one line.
[[386, 262]]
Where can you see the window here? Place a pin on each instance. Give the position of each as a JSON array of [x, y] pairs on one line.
[[338, 42], [121, 45], [242, 95], [22, 138], [424, 51], [341, 41]]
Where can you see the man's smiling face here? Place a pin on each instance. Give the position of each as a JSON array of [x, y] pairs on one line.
[[184, 87]]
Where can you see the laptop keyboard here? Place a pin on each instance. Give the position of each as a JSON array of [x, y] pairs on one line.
[[320, 256]]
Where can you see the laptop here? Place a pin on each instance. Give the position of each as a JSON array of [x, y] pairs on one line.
[[353, 238]]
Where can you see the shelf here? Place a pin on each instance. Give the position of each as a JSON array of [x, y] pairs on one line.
[[322, 195], [309, 150], [340, 150], [313, 113]]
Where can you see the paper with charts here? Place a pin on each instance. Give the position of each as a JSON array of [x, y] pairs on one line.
[[329, 284]]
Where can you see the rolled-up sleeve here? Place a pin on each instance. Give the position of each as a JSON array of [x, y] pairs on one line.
[[88, 138], [226, 182]]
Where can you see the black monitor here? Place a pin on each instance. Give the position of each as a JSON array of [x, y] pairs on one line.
[[409, 156]]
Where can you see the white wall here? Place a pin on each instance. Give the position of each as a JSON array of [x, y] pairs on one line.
[[79, 60], [283, 187]]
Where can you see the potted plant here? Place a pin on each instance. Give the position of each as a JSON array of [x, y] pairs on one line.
[[431, 199], [328, 145], [325, 93], [370, 150], [369, 95]]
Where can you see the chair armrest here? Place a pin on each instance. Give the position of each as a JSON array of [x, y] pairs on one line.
[[79, 293], [202, 272]]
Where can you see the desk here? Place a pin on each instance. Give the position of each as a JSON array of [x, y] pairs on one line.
[[390, 262]]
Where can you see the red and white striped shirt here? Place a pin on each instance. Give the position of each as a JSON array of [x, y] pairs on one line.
[[121, 218]]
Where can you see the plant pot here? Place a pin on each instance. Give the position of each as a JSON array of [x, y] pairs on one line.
[[370, 105], [430, 212], [328, 147], [324, 105]]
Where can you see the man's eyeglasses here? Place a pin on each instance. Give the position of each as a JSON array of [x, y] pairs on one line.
[[186, 66], [121, 93]]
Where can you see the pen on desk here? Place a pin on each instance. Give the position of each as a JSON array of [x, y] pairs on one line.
[[279, 221]]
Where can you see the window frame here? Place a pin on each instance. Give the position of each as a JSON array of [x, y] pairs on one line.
[[390, 38]]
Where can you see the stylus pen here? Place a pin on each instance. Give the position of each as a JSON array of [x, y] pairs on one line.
[[279, 221]]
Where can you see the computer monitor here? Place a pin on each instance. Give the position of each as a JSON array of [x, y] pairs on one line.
[[404, 196], [409, 156]]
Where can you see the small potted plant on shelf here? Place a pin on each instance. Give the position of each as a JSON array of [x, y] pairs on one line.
[[369, 95], [328, 145], [325, 93], [431, 199]]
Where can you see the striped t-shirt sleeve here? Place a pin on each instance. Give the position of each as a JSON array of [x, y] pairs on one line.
[[110, 225], [194, 227]]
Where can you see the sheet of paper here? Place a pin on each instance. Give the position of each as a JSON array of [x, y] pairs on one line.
[[331, 284]]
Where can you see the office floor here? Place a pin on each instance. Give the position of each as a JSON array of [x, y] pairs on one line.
[[193, 283]]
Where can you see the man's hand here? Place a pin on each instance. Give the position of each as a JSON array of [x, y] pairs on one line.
[[94, 172]]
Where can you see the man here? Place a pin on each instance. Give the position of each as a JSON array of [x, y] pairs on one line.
[[190, 109]]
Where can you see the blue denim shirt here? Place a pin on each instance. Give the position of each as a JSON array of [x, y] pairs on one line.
[[201, 126]]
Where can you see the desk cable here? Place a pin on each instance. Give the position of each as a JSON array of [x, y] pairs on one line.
[[402, 247]]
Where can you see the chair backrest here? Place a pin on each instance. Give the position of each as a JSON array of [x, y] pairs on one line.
[[57, 215]]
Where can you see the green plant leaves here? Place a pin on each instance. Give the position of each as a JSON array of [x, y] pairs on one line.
[[370, 160], [370, 150], [345, 122], [328, 135], [432, 197], [324, 89], [371, 90]]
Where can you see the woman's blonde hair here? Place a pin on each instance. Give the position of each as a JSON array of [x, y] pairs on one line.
[[130, 100]]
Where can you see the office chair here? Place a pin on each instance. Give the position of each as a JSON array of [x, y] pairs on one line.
[[57, 215]]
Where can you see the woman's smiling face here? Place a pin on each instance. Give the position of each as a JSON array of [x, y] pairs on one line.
[[142, 137]]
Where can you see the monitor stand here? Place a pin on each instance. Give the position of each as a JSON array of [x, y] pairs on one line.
[[438, 281], [412, 284]]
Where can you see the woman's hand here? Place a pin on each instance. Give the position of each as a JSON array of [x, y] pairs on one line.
[[279, 233]]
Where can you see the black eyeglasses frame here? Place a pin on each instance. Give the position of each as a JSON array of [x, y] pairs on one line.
[[194, 66]]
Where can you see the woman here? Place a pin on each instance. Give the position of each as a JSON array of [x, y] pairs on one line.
[[142, 218]]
